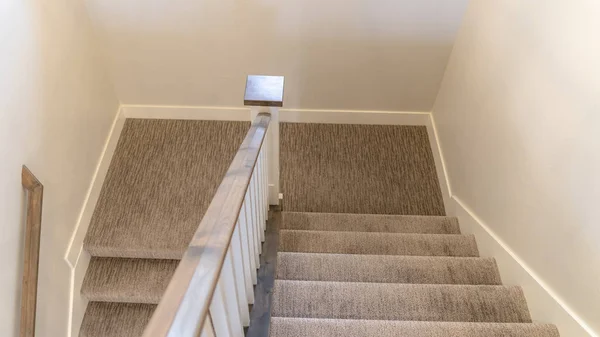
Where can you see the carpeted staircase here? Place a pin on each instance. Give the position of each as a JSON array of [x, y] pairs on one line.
[[337, 274], [161, 180], [384, 275]]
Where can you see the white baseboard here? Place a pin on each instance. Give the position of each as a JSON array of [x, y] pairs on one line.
[[75, 256], [285, 115], [353, 117], [544, 305]]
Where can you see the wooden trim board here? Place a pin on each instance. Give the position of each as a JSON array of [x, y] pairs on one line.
[[35, 194]]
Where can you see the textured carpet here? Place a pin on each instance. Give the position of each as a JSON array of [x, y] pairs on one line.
[[404, 302], [161, 180], [339, 273], [370, 223], [380, 275], [115, 319], [387, 269], [377, 243], [307, 327], [127, 280], [344, 168]]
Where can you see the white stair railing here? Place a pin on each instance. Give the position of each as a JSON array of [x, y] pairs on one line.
[[210, 292]]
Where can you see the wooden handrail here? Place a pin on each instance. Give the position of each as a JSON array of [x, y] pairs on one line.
[[35, 191], [184, 307]]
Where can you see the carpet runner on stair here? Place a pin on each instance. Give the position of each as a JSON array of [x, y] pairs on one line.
[[390, 276]]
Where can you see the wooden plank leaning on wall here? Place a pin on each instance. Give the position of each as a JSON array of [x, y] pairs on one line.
[[35, 191]]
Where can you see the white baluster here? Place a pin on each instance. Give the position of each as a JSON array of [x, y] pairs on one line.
[[256, 206], [255, 223], [242, 278], [273, 157], [248, 239], [265, 183], [259, 208], [265, 187], [252, 228], [247, 256], [208, 329], [231, 297], [218, 312]]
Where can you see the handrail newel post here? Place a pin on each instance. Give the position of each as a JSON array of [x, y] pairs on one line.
[[265, 94], [212, 286]]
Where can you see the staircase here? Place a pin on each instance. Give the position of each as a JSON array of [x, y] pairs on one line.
[[161, 180], [385, 275], [338, 274]]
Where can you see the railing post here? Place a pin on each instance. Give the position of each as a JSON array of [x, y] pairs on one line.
[[265, 94]]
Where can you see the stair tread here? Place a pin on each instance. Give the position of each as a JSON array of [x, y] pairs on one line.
[[149, 207], [377, 243], [106, 319], [390, 301], [370, 223], [387, 268], [127, 280], [309, 327]]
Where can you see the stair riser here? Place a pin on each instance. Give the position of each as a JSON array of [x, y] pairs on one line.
[[293, 327], [387, 269], [377, 243], [127, 280], [450, 303], [370, 223]]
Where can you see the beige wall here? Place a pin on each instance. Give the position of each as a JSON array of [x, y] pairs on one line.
[[335, 54], [518, 117], [56, 108]]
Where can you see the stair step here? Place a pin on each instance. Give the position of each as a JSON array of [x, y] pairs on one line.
[[387, 269], [408, 302], [306, 327], [115, 319], [127, 280], [377, 243], [370, 223], [149, 206]]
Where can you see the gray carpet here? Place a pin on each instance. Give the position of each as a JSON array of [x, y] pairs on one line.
[[370, 223], [403, 302], [106, 319], [387, 269], [127, 280], [339, 273], [161, 180], [373, 275], [310, 327], [377, 243], [344, 168]]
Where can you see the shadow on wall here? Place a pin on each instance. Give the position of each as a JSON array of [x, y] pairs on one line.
[[353, 54]]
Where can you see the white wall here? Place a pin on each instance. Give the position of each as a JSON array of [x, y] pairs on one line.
[[518, 119], [335, 54], [56, 107]]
